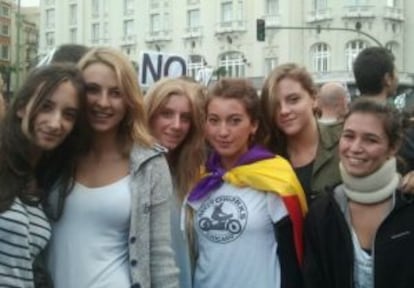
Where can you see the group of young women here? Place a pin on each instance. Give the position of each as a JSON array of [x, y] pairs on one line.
[[135, 187]]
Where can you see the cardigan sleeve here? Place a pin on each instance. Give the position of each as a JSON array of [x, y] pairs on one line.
[[164, 273]]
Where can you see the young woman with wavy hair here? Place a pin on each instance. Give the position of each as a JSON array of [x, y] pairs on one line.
[[115, 227]]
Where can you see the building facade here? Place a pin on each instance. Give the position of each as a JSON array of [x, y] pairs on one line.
[[5, 44], [323, 35]]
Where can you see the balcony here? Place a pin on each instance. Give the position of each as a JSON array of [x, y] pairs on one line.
[[158, 36], [193, 32], [129, 39], [333, 76], [272, 20], [231, 26], [319, 15], [359, 11], [393, 13]]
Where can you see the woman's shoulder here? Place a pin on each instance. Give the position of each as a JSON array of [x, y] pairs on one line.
[[152, 156]]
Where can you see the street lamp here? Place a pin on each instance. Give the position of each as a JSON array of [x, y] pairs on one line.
[[319, 28], [18, 28]]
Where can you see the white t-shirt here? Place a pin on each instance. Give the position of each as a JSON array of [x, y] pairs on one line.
[[89, 244], [236, 238]]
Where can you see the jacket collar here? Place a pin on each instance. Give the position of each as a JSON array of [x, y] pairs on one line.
[[140, 155]]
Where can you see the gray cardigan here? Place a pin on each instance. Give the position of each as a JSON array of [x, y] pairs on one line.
[[151, 258], [150, 254]]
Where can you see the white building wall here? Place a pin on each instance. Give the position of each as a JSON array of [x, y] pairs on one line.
[[213, 38]]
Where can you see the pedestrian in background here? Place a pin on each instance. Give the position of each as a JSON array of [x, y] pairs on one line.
[[332, 101]]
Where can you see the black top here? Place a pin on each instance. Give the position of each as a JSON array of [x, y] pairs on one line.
[[304, 174]]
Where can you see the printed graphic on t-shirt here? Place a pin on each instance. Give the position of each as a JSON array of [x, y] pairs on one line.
[[222, 219]]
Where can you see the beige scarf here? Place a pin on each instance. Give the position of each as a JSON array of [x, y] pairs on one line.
[[373, 188]]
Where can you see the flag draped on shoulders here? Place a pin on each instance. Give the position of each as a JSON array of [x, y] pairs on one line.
[[261, 170]]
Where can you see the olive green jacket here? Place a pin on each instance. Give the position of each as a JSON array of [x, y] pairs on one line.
[[325, 171]]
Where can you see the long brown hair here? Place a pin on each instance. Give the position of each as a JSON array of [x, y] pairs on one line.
[[276, 139], [18, 177]]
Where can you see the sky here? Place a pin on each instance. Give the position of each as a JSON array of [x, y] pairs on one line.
[[26, 3]]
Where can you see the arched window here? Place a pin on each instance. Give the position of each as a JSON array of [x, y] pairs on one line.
[[233, 64], [394, 47], [352, 50], [195, 63], [320, 57]]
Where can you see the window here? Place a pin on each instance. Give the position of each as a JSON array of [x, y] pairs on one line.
[[106, 31], [129, 50], [319, 5], [128, 28], [155, 25], [5, 52], [352, 50], [272, 7], [393, 47], [5, 30], [195, 63], [391, 3], [227, 11], [193, 18], [239, 10], [50, 18], [105, 6], [233, 64], [270, 64], [356, 2], [95, 7], [5, 11], [128, 7], [73, 34], [50, 39], [95, 32], [73, 13], [320, 57]]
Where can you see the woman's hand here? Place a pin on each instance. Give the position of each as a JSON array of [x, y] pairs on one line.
[[407, 183]]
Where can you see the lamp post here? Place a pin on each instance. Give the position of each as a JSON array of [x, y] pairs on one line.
[[319, 28], [18, 28]]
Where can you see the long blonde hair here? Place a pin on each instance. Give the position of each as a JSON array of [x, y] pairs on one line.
[[133, 128], [186, 160]]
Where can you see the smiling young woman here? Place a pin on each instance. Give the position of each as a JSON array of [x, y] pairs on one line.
[[40, 137], [288, 102], [176, 121], [114, 230], [246, 195], [360, 233]]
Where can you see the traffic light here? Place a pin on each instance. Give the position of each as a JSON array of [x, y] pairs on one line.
[[260, 30]]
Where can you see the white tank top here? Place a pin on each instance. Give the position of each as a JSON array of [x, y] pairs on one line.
[[89, 244]]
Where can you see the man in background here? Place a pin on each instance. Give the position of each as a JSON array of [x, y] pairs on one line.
[[332, 102]]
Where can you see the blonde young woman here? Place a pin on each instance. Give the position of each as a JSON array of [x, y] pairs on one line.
[[289, 101], [114, 229], [176, 121]]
